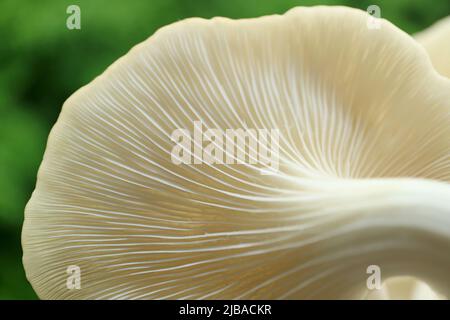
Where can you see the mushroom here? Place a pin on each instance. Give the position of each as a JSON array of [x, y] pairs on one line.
[[436, 40], [404, 288], [363, 175]]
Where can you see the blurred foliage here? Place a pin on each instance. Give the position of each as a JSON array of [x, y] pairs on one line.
[[42, 63]]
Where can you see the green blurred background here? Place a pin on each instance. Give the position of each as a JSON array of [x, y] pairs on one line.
[[42, 63]]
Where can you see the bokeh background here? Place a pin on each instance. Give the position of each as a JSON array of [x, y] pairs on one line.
[[42, 63]]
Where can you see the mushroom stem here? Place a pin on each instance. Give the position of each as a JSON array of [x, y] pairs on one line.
[[400, 225]]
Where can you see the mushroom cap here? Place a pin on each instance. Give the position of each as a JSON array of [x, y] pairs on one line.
[[363, 173], [436, 41]]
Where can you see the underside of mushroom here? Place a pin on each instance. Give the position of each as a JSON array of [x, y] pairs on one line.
[[362, 176], [436, 41]]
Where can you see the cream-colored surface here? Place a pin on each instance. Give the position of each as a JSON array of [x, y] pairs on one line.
[[404, 288], [364, 166], [436, 40]]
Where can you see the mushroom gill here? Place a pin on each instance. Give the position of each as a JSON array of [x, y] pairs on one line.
[[436, 41], [363, 175]]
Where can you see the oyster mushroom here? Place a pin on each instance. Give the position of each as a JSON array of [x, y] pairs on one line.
[[404, 288], [363, 176], [436, 40]]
